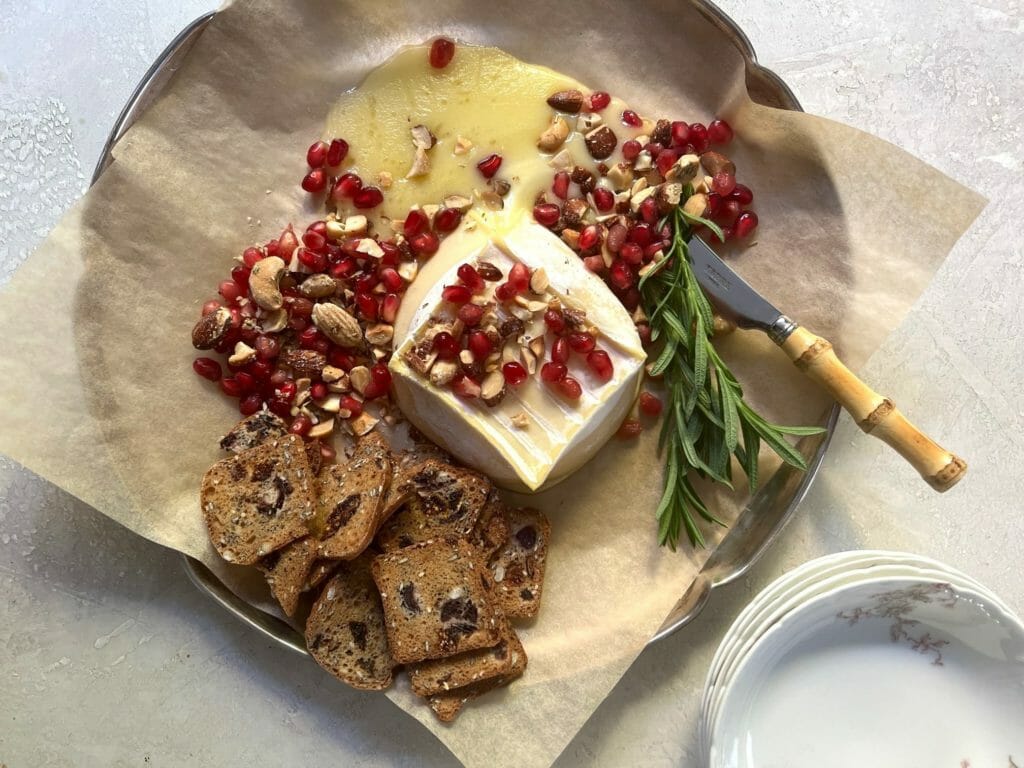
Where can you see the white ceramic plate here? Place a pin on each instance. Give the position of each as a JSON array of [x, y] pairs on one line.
[[888, 672]]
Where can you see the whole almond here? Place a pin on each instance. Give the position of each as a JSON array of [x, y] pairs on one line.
[[337, 325], [211, 329], [570, 101], [304, 362], [716, 162], [318, 286]]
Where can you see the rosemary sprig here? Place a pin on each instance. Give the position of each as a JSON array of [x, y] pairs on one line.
[[706, 421]]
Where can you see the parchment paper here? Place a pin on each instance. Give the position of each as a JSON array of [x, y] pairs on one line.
[[95, 378]]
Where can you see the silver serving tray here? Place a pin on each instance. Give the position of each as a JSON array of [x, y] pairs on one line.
[[759, 523]]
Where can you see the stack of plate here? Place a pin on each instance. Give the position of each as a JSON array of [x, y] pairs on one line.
[[868, 658]]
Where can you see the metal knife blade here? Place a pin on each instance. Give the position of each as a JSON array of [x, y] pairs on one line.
[[733, 296]]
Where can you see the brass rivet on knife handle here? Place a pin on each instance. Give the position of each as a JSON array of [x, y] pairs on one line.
[[875, 414]]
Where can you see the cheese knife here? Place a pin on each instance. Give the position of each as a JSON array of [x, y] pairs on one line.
[[736, 300]]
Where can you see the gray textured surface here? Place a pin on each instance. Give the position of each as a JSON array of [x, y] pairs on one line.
[[109, 657]]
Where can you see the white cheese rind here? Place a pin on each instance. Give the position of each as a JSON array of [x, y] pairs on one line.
[[561, 435]]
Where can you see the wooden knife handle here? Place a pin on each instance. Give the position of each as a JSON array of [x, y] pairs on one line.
[[875, 414]]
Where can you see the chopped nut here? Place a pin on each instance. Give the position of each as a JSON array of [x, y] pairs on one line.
[[360, 378], [420, 164], [422, 138], [491, 199], [570, 101], [639, 197], [509, 354], [716, 162], [303, 362], [318, 286], [212, 328], [528, 360], [621, 176], [421, 357], [408, 270], [337, 325], [536, 346], [462, 146], [302, 386], [539, 280], [638, 186], [684, 170], [571, 237], [385, 180], [574, 210], [561, 160], [522, 313], [273, 322], [643, 161], [601, 142], [370, 247], [335, 229], [722, 326], [323, 429], [492, 388], [466, 357], [331, 374], [458, 202], [431, 211], [554, 135], [588, 121], [243, 354], [519, 421], [341, 385], [363, 423], [584, 178], [696, 205], [379, 334], [355, 225], [662, 133], [331, 403], [264, 282], [668, 195], [443, 371]]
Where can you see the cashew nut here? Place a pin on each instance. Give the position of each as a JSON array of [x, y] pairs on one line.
[[420, 165], [554, 136], [264, 283]]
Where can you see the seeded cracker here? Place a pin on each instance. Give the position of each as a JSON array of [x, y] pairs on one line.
[[252, 431], [452, 499], [436, 598], [287, 571], [345, 629], [492, 529], [518, 567], [443, 675], [258, 501], [448, 705], [351, 497]]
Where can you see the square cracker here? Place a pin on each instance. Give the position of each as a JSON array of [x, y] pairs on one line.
[[257, 501], [437, 602], [518, 567], [443, 675]]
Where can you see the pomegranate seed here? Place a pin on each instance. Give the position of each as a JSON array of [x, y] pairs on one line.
[[604, 200], [231, 387], [560, 186], [211, 306], [309, 337], [723, 183], [630, 299], [300, 307], [442, 50], [616, 237], [247, 406], [446, 346], [301, 426], [367, 305], [316, 155], [271, 248], [241, 275], [632, 254], [631, 118], [630, 429], [714, 205], [456, 294], [259, 370], [368, 197], [652, 250], [742, 194], [314, 181], [381, 378], [719, 132], [280, 408], [230, 290], [728, 233], [246, 381], [590, 237], [631, 149], [314, 241], [391, 253], [489, 272], [644, 332], [298, 323], [425, 244], [286, 390], [489, 165], [599, 100], [680, 134], [339, 358], [287, 243], [519, 277], [389, 308], [649, 210], [546, 214], [620, 275], [649, 404], [601, 365], [746, 223], [728, 212], [391, 279], [552, 372], [666, 160], [327, 452], [415, 222], [347, 186], [581, 342], [464, 386], [236, 316], [560, 351], [267, 347], [250, 256], [479, 345], [641, 235], [366, 282], [594, 264], [570, 388], [699, 137], [207, 367], [654, 149], [471, 315], [471, 278], [337, 152], [316, 262], [515, 374], [351, 405], [555, 321], [447, 219], [505, 292]]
